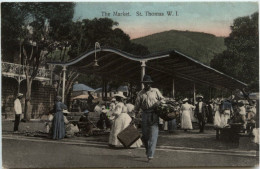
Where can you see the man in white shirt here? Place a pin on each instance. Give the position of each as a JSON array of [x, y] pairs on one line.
[[18, 111], [146, 100]]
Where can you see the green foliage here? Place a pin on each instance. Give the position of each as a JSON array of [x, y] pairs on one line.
[[200, 46], [87, 32], [43, 23], [241, 59], [12, 21]]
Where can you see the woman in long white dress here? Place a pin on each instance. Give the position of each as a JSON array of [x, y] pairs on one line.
[[219, 119], [121, 121], [186, 109]]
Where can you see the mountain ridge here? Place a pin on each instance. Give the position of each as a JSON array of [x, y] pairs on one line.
[[197, 45]]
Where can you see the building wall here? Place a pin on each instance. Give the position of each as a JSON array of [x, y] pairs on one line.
[[42, 98]]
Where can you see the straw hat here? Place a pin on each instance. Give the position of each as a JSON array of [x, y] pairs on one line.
[[185, 100], [199, 96], [66, 112], [120, 94], [113, 100], [19, 95]]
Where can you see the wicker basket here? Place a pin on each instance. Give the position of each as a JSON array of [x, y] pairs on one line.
[[167, 111]]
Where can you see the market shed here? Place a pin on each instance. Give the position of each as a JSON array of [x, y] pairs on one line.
[[168, 68]]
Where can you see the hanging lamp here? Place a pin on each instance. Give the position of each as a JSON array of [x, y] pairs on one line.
[[95, 61]]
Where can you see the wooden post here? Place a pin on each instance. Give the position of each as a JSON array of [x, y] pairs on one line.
[[209, 93], [142, 71], [52, 67], [173, 89], [131, 92], [20, 79], [105, 89], [19, 83], [102, 88], [257, 114], [63, 83], [194, 93]]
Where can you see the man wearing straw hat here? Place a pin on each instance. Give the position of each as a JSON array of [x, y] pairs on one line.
[[201, 113], [18, 111], [146, 100]]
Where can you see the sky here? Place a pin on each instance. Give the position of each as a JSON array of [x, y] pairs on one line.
[[209, 17]]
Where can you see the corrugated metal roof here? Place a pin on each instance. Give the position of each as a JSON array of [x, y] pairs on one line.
[[162, 66]]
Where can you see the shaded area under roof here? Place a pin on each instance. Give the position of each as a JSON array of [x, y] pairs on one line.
[[163, 67], [82, 87]]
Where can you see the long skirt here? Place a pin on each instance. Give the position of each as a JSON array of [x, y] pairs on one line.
[[192, 117], [256, 134], [186, 120], [217, 119], [58, 126]]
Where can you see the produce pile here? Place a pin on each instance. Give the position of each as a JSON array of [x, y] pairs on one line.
[[168, 110]]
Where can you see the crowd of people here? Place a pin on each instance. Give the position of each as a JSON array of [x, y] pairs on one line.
[[120, 114]]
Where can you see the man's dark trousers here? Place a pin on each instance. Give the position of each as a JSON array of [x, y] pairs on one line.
[[201, 122], [16, 122]]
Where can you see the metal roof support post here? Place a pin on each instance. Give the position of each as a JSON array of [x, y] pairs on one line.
[[51, 69], [142, 71], [210, 93], [63, 83], [19, 78], [194, 93], [19, 83], [173, 89], [106, 89], [130, 94], [103, 88], [257, 114]]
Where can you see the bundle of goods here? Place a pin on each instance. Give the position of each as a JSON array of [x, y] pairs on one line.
[[167, 110]]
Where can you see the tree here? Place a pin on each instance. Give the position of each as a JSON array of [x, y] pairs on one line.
[[87, 32], [39, 33], [12, 24], [241, 58]]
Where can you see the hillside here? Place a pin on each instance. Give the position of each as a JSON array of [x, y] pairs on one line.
[[200, 46]]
